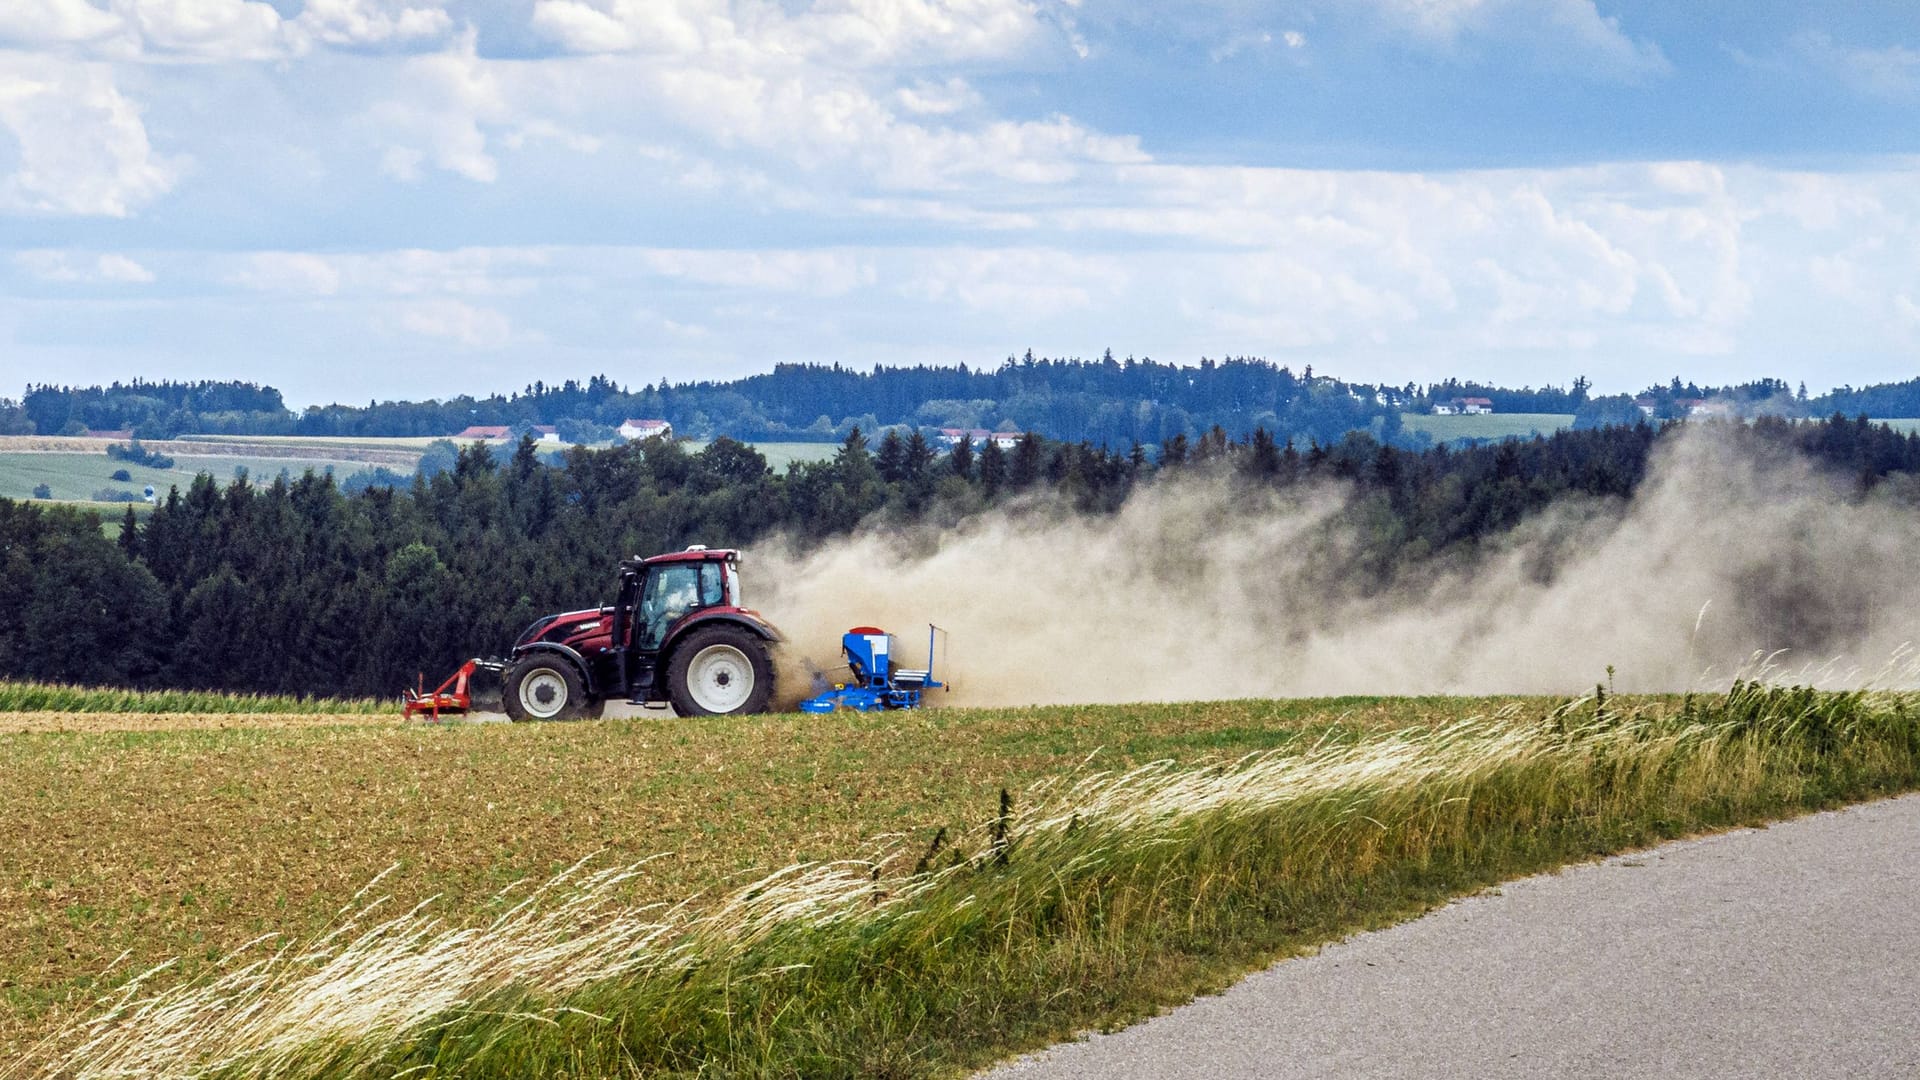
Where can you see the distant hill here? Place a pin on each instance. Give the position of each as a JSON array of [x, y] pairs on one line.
[[1108, 402]]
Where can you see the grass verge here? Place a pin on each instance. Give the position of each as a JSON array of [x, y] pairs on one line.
[[1072, 905]]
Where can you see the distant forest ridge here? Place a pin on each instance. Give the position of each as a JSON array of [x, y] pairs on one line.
[[1107, 402], [392, 581]]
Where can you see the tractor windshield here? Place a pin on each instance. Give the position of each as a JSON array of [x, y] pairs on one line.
[[671, 591]]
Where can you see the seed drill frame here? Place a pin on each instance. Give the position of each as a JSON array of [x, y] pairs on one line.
[[876, 684]]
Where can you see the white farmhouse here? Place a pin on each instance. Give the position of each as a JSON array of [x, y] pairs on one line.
[[645, 429]]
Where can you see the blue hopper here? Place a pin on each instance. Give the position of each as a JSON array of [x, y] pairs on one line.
[[875, 684]]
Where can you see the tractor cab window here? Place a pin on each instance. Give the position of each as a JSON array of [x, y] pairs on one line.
[[671, 591], [711, 594]]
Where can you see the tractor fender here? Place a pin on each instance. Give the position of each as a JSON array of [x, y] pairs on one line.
[[700, 620], [571, 654]]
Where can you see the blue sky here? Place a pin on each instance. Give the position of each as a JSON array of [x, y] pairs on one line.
[[353, 199]]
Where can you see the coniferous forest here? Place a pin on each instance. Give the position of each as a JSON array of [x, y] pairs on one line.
[[293, 586]]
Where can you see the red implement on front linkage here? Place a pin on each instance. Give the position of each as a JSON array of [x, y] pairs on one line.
[[453, 697]]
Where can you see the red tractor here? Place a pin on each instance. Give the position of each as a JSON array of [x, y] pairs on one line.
[[675, 633]]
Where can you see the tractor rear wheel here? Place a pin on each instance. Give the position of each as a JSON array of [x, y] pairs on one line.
[[720, 671], [542, 686]]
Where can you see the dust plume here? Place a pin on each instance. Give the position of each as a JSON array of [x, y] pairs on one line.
[[1721, 565]]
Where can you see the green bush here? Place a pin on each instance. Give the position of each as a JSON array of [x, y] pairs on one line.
[[139, 455]]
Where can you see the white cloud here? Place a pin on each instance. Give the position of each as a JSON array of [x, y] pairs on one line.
[[372, 22], [740, 104], [81, 146], [454, 320], [1018, 283], [841, 33], [217, 31], [207, 29], [1629, 273], [408, 272], [1890, 73], [1561, 34], [1238, 44], [813, 273], [39, 23], [73, 267], [293, 272], [619, 25], [928, 98], [448, 103], [909, 32]]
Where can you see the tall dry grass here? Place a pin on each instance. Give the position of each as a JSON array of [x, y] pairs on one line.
[[1086, 901]]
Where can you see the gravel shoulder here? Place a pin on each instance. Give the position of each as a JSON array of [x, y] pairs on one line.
[[1792, 950]]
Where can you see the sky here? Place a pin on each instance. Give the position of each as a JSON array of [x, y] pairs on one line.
[[361, 199]]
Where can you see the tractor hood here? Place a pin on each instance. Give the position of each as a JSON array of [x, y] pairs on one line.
[[566, 626]]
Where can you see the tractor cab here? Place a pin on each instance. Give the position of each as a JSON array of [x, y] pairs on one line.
[[658, 592]]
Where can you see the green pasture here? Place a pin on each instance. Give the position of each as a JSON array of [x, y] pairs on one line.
[[1488, 426], [780, 454], [74, 477]]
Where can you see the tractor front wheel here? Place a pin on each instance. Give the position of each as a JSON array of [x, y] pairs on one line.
[[541, 686], [720, 671]]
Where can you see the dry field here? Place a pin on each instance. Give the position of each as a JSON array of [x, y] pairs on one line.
[[187, 835], [397, 453]]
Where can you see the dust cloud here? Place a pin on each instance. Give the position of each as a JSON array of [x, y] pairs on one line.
[[1720, 566]]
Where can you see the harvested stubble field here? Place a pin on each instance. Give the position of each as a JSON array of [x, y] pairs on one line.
[[1101, 901], [187, 835]]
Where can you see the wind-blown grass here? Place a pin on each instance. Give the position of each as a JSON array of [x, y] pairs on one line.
[[1083, 902], [18, 697]]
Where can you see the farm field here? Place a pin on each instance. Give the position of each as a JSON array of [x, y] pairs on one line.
[[75, 469], [781, 454], [76, 477], [1489, 426], [1906, 426], [200, 835], [323, 443], [186, 838]]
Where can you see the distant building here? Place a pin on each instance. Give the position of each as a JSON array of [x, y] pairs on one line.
[[1007, 440], [645, 429], [1446, 409], [486, 433], [1646, 405], [546, 433], [952, 435], [1473, 406]]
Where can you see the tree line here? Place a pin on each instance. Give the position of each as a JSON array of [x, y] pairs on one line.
[[295, 586], [1110, 402]]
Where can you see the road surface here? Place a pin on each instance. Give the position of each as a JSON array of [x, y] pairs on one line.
[[1791, 951]]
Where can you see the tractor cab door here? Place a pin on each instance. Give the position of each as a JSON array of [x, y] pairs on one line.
[[672, 590]]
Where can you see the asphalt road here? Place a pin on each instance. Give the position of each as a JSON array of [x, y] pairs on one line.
[[1791, 951]]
